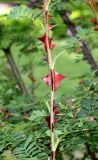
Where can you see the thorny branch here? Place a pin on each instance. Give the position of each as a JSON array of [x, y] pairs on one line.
[[87, 51]]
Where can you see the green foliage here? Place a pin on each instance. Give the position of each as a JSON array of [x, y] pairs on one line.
[[20, 146], [74, 41], [88, 106], [29, 151], [20, 12], [82, 33], [36, 115]]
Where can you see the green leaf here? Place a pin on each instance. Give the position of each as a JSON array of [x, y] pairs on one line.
[[71, 43], [29, 139], [48, 133], [82, 33], [80, 124], [37, 114], [29, 151], [21, 12], [58, 132]]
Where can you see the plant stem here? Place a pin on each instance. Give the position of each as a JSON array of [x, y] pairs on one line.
[[51, 71], [15, 70]]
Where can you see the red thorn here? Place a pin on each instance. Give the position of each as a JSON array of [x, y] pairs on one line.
[[96, 28], [57, 79], [43, 40], [94, 20]]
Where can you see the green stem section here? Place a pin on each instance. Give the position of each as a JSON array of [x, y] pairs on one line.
[[52, 79]]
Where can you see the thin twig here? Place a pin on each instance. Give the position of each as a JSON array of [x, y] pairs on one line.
[[87, 51], [15, 70], [10, 114]]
